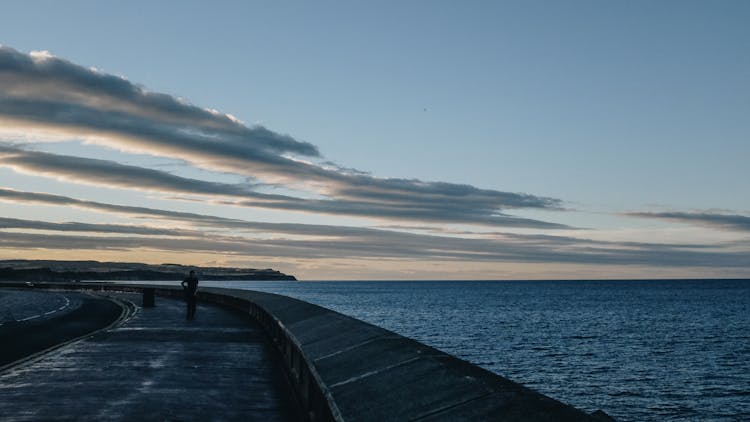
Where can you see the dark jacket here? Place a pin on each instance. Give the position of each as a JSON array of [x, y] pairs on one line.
[[190, 284]]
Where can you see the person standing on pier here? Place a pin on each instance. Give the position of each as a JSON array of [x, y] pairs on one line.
[[190, 286]]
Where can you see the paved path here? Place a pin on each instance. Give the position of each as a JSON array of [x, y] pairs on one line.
[[156, 366]]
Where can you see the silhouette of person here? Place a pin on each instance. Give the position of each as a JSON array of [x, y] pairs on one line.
[[190, 287]]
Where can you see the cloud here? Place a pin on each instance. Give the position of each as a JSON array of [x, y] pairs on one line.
[[202, 220], [720, 221], [305, 241], [41, 91], [40, 75], [376, 244], [15, 223], [112, 174]]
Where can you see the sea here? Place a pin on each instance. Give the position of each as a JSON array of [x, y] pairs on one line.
[[645, 350]]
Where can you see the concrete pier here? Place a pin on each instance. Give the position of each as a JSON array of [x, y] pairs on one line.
[[338, 369], [156, 366]]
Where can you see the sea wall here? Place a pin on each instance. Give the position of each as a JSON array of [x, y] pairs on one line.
[[344, 369]]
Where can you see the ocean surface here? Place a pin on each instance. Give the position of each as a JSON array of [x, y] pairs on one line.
[[639, 350]]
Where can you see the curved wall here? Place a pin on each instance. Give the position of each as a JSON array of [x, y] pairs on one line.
[[364, 372]]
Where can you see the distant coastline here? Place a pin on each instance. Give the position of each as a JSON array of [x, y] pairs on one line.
[[66, 271]]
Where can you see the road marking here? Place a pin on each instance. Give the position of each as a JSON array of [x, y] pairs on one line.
[[67, 303], [31, 317], [125, 315]]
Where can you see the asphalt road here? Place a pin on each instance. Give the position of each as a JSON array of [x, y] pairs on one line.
[[32, 321], [17, 305]]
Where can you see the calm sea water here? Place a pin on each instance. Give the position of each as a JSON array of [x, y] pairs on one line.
[[639, 350]]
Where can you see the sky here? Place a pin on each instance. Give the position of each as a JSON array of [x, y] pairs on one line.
[[380, 140]]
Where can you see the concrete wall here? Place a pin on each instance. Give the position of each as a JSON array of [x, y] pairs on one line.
[[344, 369], [366, 373]]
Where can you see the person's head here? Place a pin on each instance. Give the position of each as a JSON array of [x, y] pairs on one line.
[[192, 273]]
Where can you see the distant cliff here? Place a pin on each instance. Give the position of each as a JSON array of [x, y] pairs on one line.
[[27, 270]]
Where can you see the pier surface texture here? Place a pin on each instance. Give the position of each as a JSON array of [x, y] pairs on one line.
[[156, 366]]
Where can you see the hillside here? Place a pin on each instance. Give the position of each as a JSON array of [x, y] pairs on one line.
[[41, 270]]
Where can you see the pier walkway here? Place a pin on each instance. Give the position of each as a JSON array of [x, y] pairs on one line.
[[156, 366]]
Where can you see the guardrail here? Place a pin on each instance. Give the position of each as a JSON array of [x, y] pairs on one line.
[[345, 369]]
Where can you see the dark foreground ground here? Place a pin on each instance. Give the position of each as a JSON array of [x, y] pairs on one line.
[[155, 366]]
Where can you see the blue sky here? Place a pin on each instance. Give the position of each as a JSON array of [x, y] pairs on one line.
[[610, 108]]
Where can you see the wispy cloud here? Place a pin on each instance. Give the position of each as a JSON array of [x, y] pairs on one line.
[[42, 91], [710, 219], [193, 219], [17, 223], [32, 78], [112, 174], [390, 245], [307, 241]]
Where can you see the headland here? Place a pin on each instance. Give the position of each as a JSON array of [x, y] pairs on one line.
[[67, 271]]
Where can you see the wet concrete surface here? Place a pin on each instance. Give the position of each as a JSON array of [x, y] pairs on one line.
[[156, 366]]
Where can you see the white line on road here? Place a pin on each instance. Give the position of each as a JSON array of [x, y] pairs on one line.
[[67, 303], [31, 317]]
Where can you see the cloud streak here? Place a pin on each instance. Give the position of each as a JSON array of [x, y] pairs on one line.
[[303, 241], [42, 76], [41, 91], [112, 174], [201, 220], [385, 245], [720, 221], [16, 223]]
